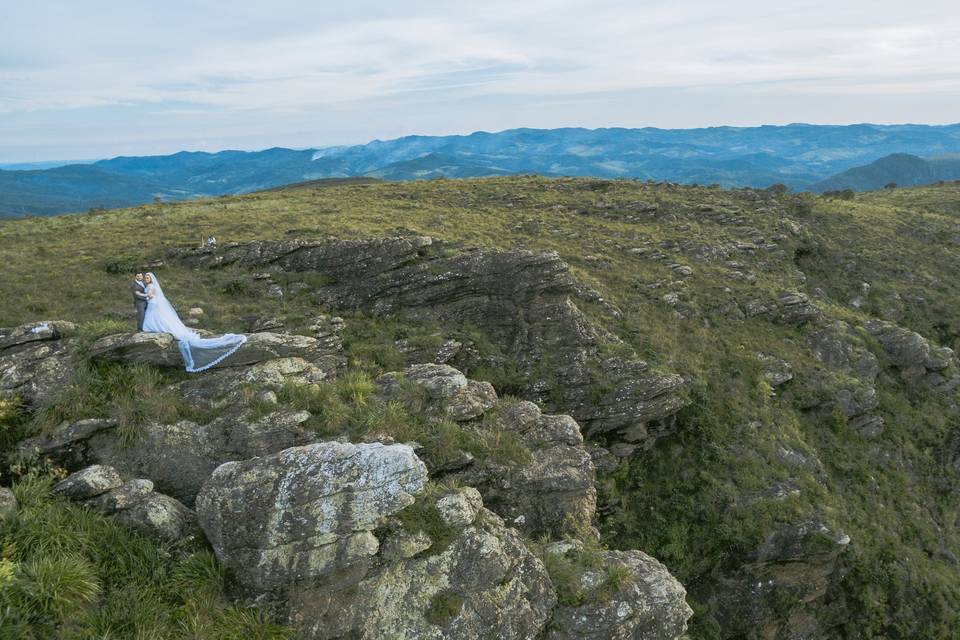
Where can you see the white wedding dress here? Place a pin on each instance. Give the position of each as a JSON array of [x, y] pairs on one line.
[[198, 353]]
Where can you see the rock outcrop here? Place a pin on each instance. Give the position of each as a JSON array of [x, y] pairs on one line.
[[319, 532], [553, 492], [177, 457], [523, 300], [305, 512], [449, 391], [846, 386], [914, 358], [627, 594], [547, 490], [133, 504], [483, 583], [36, 360]]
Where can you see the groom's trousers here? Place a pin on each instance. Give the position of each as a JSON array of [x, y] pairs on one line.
[[141, 306]]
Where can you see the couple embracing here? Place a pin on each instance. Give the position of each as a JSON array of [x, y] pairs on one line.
[[155, 314]]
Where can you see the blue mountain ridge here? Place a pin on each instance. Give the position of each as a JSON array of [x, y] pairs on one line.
[[801, 156]]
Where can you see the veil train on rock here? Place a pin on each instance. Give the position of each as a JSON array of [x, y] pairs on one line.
[[199, 354]]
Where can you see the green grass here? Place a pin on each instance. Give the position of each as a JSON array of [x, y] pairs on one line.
[[568, 568], [347, 406], [679, 501], [423, 517], [444, 606], [68, 572]]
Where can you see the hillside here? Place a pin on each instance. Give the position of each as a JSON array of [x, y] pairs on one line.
[[900, 169], [798, 156], [757, 389]]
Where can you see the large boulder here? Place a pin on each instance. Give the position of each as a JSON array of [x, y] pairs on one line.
[[159, 516], [483, 583], [794, 308], [838, 346], [158, 349], [912, 355], [305, 513]]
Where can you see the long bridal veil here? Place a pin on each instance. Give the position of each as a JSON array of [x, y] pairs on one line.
[[198, 353]]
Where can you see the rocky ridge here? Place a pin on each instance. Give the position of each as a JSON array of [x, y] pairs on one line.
[[321, 532]]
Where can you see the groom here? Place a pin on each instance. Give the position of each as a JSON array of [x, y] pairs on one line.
[[139, 298]]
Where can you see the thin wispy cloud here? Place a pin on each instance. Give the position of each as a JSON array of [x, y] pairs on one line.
[[296, 70]]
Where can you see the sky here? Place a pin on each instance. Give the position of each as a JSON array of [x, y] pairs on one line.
[[95, 79]]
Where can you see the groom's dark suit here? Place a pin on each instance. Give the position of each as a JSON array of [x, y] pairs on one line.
[[139, 301]]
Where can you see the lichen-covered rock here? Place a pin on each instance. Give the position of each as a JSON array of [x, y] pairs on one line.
[[8, 504], [629, 595], [306, 512], [36, 366], [448, 389], [159, 516], [123, 497], [88, 482], [36, 332], [326, 329], [839, 347], [776, 371], [551, 493], [794, 308], [65, 443], [133, 504], [484, 584], [158, 349], [178, 457], [230, 386], [460, 508], [914, 357]]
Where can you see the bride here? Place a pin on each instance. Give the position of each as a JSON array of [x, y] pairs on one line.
[[198, 353]]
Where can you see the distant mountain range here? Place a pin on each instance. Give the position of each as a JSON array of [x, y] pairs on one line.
[[800, 156], [900, 169]]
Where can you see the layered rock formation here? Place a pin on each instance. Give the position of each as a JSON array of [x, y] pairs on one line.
[[523, 300]]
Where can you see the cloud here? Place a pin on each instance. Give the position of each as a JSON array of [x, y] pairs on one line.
[[281, 58]]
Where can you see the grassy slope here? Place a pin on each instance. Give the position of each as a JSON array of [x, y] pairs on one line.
[[903, 242]]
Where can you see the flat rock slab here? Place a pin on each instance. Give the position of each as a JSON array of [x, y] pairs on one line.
[[160, 349], [36, 332]]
